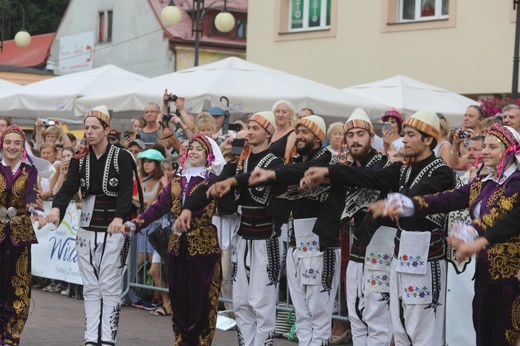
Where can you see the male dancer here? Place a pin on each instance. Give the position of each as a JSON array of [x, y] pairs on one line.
[[104, 174], [256, 256], [313, 259], [368, 309], [418, 274]]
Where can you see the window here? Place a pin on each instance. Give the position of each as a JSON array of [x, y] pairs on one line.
[[105, 26], [417, 10], [308, 15]]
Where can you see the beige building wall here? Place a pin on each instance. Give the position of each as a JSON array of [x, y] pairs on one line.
[[470, 53]]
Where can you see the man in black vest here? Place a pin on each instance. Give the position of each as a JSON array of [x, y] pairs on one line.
[[257, 252], [104, 174], [418, 269]]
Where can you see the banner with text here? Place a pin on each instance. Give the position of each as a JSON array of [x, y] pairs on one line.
[[55, 255]]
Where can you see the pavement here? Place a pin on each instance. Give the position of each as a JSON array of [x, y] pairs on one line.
[[57, 320]]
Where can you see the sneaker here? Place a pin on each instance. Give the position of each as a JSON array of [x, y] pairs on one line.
[[65, 292], [138, 304], [151, 306], [50, 288]]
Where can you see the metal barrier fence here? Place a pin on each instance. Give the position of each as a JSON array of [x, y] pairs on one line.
[[137, 279]]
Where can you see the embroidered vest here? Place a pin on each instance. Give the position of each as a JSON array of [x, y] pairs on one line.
[[428, 171], [259, 194], [360, 198], [110, 176]]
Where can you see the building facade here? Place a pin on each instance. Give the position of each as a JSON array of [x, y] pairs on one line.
[[132, 35], [462, 46]]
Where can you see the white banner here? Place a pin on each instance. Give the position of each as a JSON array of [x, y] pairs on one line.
[[76, 53], [55, 255]]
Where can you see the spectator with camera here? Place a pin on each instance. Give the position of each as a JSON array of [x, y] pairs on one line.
[[177, 126], [152, 132], [50, 130]]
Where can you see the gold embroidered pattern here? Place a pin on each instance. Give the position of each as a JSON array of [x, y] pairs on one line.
[[21, 230], [176, 196], [474, 191], [513, 335], [206, 337], [421, 201], [21, 281], [503, 259]]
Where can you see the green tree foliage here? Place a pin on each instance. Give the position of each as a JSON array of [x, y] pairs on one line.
[[41, 16]]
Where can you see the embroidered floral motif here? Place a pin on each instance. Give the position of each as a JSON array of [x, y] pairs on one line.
[[311, 273], [309, 246], [417, 292], [410, 261], [379, 258], [81, 242], [378, 280]]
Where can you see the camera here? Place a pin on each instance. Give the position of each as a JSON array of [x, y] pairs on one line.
[[48, 122], [172, 98], [166, 117], [464, 134]]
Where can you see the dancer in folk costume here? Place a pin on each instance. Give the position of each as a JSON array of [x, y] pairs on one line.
[[20, 199], [103, 172], [257, 252], [313, 257], [417, 316], [367, 291], [194, 253], [489, 197]]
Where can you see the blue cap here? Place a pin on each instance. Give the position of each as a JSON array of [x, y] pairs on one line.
[[151, 154], [216, 111]]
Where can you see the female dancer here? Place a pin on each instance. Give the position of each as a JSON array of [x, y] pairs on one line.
[[20, 198], [194, 253], [489, 198]]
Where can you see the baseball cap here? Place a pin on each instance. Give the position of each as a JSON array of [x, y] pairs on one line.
[[137, 142], [114, 134], [216, 111]]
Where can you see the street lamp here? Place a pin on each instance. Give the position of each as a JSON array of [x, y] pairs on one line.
[[224, 21], [516, 58], [22, 37]]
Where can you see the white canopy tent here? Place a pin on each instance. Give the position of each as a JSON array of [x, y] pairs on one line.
[[7, 87], [54, 97], [409, 95], [249, 88]]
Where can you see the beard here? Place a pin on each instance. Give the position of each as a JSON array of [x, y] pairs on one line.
[[305, 149], [361, 152]]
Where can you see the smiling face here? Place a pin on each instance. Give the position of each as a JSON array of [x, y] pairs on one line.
[[12, 147], [305, 140], [492, 152], [196, 155]]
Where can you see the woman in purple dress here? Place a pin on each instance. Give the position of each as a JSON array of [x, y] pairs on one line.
[[496, 304], [20, 198], [194, 254]]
